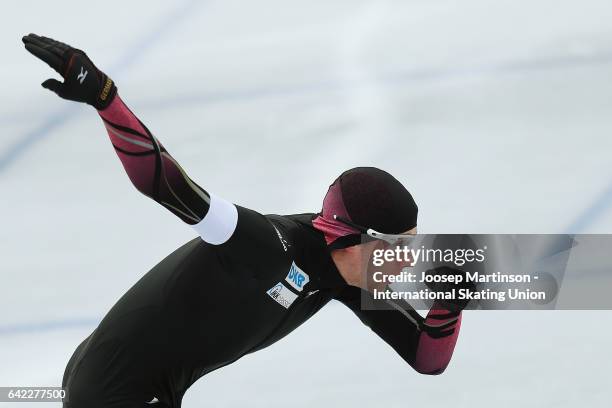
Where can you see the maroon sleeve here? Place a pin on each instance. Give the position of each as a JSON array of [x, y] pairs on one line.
[[152, 170], [435, 349]]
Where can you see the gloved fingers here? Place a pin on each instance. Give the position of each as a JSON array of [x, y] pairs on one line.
[[56, 45], [37, 41], [52, 59], [53, 85], [50, 40], [58, 48], [32, 39]]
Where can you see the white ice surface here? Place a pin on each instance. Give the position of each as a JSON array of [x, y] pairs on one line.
[[496, 115]]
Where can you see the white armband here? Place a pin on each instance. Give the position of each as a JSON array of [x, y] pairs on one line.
[[219, 223]]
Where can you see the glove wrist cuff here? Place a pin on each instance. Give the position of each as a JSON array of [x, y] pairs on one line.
[[107, 93]]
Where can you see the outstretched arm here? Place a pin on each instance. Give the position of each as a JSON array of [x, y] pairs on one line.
[[150, 167], [152, 170], [427, 344], [156, 174]]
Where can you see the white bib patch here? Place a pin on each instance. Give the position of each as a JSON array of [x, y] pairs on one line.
[[282, 294]]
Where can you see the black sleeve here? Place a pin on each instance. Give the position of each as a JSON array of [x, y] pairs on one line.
[[424, 343], [400, 329]]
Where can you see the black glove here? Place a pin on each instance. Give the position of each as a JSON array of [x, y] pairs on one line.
[[83, 82], [453, 305]]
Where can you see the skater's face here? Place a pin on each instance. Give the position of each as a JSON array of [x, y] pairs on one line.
[[383, 259], [355, 263]]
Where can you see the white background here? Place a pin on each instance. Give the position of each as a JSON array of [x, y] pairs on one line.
[[495, 114]]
